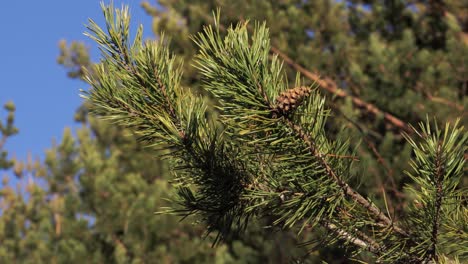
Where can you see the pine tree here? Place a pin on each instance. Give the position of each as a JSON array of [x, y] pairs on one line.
[[266, 152], [93, 200], [387, 64]]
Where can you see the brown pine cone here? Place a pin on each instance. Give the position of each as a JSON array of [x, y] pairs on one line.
[[289, 100]]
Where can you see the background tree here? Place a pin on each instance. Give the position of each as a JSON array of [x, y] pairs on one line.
[[393, 60], [93, 200]]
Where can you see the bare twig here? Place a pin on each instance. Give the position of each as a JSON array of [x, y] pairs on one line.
[[366, 243], [444, 101], [2, 141], [329, 85], [58, 224]]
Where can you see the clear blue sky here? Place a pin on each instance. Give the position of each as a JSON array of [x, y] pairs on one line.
[[45, 98]]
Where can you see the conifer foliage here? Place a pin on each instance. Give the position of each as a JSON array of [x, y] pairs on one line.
[[264, 153], [7, 129]]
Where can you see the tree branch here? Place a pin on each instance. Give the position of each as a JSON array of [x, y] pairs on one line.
[[369, 244], [329, 85], [445, 102], [347, 190], [439, 172]]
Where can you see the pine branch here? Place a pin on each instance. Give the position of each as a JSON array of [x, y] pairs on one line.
[[438, 176], [138, 86], [329, 85], [268, 153], [438, 168], [445, 102], [226, 65]]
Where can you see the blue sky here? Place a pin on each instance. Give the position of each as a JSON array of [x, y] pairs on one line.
[[30, 76]]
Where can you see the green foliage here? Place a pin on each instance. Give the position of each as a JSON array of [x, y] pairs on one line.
[[93, 198], [255, 161], [266, 179], [97, 205], [438, 199], [74, 58], [7, 129], [240, 75], [374, 50]]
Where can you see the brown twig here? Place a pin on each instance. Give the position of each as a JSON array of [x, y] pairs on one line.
[[58, 224], [2, 141], [444, 101], [329, 85], [388, 171], [343, 156]]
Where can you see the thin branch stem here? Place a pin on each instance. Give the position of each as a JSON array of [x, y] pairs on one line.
[[379, 157], [439, 171], [3, 140], [444, 101], [374, 210], [366, 243], [329, 85]]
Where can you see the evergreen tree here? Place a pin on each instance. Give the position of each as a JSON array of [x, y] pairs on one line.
[[267, 153], [251, 157], [94, 197], [93, 201]]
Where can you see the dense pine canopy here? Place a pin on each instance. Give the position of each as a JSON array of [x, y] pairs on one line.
[[279, 131]]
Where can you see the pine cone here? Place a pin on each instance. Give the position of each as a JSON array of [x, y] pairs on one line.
[[289, 100]]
